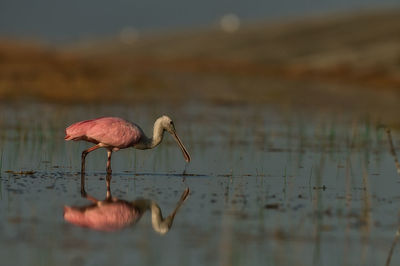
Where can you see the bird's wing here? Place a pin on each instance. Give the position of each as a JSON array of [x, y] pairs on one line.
[[114, 132]]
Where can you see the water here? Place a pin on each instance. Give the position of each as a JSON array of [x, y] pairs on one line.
[[267, 186]]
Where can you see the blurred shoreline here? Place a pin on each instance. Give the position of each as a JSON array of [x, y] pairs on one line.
[[349, 61]]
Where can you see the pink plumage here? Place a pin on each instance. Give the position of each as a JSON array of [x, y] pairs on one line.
[[112, 132], [105, 217]]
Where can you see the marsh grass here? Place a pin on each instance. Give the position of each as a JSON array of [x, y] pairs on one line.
[[392, 149]]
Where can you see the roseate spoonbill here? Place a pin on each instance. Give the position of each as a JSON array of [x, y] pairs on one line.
[[115, 133], [114, 214]]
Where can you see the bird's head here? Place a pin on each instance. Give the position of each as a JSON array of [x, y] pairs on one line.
[[168, 125]]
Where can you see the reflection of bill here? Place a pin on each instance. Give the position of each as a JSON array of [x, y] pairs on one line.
[[113, 214]]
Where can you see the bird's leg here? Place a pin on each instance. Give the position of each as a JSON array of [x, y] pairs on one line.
[[108, 180], [109, 153], [84, 153], [83, 191]]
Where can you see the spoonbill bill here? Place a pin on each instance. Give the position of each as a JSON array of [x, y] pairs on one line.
[[114, 133]]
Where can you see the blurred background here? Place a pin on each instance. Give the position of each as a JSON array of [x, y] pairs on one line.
[[60, 21], [279, 103], [324, 54]]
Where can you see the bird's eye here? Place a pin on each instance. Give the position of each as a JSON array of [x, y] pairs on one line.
[[171, 122]]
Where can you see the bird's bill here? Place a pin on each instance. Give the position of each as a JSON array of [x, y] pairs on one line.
[[184, 151], [184, 196]]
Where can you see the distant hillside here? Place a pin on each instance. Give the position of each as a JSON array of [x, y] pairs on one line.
[[355, 48], [334, 59]]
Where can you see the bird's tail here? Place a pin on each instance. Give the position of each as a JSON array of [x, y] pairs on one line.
[[78, 130]]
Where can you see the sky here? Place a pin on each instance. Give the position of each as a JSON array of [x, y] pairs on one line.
[[64, 21]]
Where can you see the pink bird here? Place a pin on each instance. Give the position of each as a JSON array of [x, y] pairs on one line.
[[115, 133], [114, 214]]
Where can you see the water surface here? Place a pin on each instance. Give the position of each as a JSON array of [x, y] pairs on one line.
[[268, 187]]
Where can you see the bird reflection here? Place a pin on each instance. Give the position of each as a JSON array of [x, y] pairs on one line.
[[113, 214]]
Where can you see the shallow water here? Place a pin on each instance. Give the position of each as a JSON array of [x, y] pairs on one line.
[[266, 187]]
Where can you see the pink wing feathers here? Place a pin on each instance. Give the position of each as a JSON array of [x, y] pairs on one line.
[[108, 217], [111, 131], [78, 130]]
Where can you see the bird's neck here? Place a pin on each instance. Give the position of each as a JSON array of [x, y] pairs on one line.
[[158, 133], [160, 225]]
